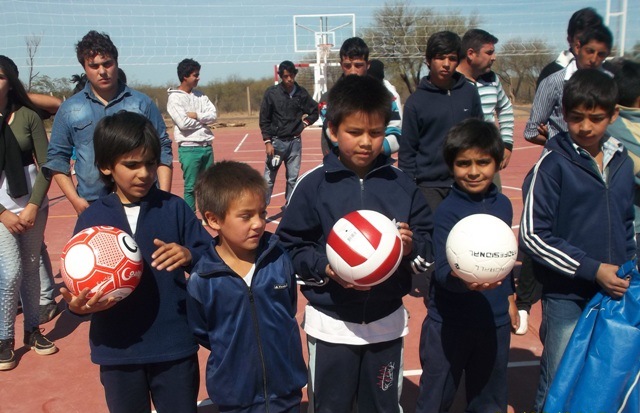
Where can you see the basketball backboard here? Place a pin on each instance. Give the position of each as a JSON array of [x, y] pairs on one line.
[[312, 30]]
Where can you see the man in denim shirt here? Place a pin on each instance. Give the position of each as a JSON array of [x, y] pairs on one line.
[[77, 118]]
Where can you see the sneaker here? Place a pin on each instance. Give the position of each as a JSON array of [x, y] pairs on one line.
[[39, 343], [48, 312], [7, 356], [524, 322]]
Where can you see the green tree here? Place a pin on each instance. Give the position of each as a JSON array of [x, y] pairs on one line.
[[59, 87], [399, 37]]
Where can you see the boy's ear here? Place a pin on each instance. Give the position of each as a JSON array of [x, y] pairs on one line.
[[333, 132], [615, 114], [212, 220], [105, 171]]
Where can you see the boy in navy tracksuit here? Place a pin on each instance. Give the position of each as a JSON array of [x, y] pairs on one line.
[[468, 325], [577, 221], [443, 99], [355, 334], [242, 299], [143, 344]]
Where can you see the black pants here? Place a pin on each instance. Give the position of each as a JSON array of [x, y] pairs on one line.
[[528, 288], [342, 376], [172, 385]]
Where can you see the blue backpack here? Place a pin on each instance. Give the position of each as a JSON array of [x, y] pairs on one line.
[[600, 369]]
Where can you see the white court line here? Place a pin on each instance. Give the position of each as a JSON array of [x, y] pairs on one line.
[[513, 364], [515, 188], [241, 142], [520, 148]]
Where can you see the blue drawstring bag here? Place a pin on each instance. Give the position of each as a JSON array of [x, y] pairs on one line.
[[600, 369]]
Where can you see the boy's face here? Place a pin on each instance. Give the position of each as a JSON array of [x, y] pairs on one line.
[[192, 80], [359, 138], [288, 80], [133, 173], [483, 59], [356, 66], [441, 69], [473, 170], [588, 126], [102, 74], [591, 55], [242, 227]]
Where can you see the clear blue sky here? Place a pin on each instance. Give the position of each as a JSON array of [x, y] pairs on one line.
[[241, 37]]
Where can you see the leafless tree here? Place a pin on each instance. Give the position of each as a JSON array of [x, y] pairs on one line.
[[32, 42]]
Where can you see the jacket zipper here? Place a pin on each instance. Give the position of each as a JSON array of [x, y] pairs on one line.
[[264, 368]]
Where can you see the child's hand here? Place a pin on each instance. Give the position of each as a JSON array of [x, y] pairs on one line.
[[610, 282], [478, 286], [79, 304], [513, 313], [406, 235], [169, 256], [335, 277]]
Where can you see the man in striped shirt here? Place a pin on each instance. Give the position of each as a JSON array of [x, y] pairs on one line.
[[546, 120], [479, 53]]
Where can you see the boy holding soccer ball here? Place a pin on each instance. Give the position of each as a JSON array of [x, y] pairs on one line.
[[577, 220], [468, 324], [143, 343], [242, 298], [354, 334]]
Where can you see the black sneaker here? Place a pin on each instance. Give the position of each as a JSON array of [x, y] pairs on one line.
[[39, 343], [7, 356], [48, 312]]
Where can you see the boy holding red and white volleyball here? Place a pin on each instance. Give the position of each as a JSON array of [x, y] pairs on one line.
[[352, 330]]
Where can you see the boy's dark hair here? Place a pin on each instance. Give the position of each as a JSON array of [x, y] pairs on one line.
[[118, 134], [475, 39], [354, 47], [598, 33], [93, 44], [441, 43], [376, 69], [354, 93], [581, 20], [592, 89], [473, 133], [627, 78], [225, 181], [288, 66], [186, 68]]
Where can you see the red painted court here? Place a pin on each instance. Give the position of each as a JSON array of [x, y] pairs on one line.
[[67, 382]]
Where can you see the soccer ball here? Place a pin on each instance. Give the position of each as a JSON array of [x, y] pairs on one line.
[[481, 248], [364, 248], [102, 259]]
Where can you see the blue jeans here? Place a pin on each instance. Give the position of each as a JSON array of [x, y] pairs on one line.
[[559, 319], [290, 151]]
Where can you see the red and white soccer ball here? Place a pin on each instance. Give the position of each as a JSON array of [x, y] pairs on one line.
[[481, 248], [102, 259], [364, 248]]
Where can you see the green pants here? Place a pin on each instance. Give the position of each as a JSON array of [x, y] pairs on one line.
[[193, 159]]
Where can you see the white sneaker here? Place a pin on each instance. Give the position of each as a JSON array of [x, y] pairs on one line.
[[524, 322]]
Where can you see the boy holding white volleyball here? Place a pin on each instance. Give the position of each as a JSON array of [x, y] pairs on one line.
[[354, 334], [143, 344], [468, 326], [243, 298], [577, 219]]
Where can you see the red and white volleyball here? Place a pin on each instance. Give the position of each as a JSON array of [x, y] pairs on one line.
[[481, 248], [364, 248], [102, 259]]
